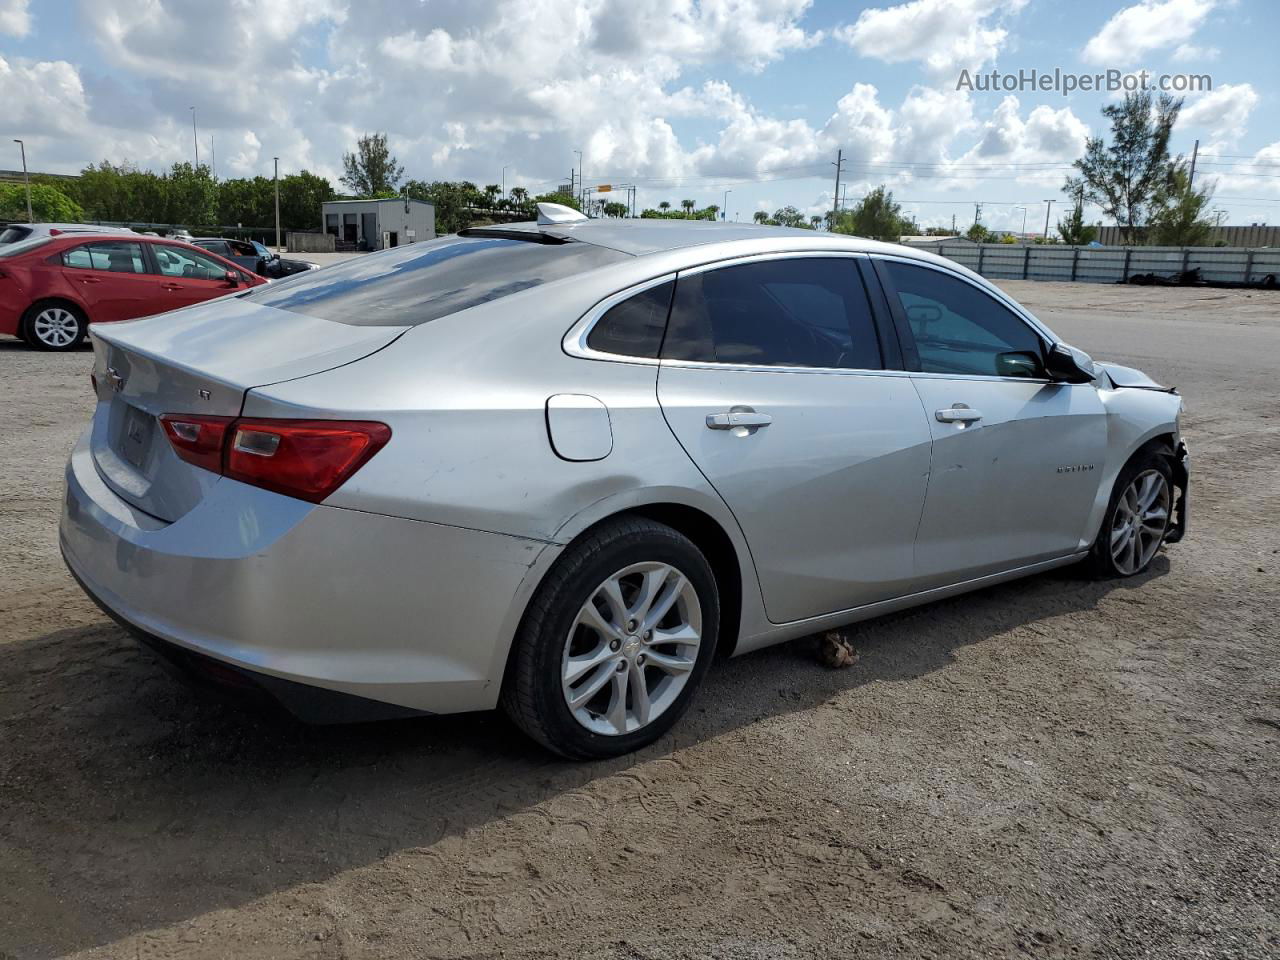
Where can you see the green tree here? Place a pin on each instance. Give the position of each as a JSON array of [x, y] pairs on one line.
[[615, 209], [815, 221], [664, 206], [519, 196], [760, 217], [875, 216], [491, 194], [688, 206], [789, 216], [300, 197], [191, 195], [1074, 230], [372, 169], [979, 234], [1179, 219], [48, 204], [1125, 177]]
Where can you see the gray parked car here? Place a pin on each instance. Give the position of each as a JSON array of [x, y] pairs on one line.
[[558, 466]]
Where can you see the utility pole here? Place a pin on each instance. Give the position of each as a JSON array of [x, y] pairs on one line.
[[27, 178], [953, 223], [582, 179], [214, 158], [1191, 178], [724, 211], [977, 214], [1047, 211], [195, 138], [277, 180], [835, 200]]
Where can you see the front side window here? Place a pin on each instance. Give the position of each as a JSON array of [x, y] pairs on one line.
[[634, 327], [790, 312], [181, 262], [420, 282], [960, 329], [112, 257]]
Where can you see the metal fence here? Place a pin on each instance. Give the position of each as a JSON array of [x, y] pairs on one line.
[[1003, 261]]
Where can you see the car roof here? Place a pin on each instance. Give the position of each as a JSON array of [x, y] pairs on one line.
[[642, 236]]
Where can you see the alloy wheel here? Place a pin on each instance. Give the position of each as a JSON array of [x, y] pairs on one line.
[[1140, 521], [631, 649], [56, 327]]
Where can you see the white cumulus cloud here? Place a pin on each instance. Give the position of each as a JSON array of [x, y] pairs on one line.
[[942, 34], [1150, 25]]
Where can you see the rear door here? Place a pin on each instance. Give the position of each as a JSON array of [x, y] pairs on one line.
[[773, 379], [189, 276], [112, 279], [1016, 456]]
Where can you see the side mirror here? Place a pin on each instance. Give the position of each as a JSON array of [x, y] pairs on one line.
[[232, 278], [1017, 363], [1069, 365]]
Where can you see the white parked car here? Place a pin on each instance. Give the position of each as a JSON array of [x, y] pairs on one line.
[[15, 232]]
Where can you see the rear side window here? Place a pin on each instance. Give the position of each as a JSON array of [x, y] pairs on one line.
[[112, 257], [420, 282], [792, 312], [634, 327], [14, 234]]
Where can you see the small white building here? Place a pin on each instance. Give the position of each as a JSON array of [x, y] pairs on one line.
[[378, 224]]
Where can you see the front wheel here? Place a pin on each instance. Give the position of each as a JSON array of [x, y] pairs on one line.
[[54, 326], [615, 641], [1137, 518]]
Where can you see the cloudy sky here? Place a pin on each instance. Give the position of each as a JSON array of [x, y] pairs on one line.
[[683, 99]]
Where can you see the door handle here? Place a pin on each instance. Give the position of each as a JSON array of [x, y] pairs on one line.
[[738, 417], [960, 413], [170, 286], [89, 279]]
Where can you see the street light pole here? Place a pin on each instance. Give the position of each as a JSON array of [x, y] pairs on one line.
[[504, 180], [724, 212], [195, 138], [1047, 210], [277, 180], [1023, 235], [27, 178]]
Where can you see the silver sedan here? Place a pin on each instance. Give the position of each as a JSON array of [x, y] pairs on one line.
[[560, 465]]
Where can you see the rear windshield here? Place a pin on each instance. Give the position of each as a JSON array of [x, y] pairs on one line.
[[23, 246], [419, 282]]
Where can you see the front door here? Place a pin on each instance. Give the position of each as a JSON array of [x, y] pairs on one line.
[[1016, 457], [771, 378], [187, 276]]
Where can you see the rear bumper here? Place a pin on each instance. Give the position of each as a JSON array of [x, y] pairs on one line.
[[409, 614]]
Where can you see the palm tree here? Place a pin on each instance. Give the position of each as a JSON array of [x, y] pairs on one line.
[[711, 211], [688, 206], [664, 206], [519, 195], [815, 221], [759, 216]]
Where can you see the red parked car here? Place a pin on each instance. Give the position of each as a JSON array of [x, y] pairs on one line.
[[52, 288]]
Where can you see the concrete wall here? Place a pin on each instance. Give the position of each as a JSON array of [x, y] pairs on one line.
[[1004, 261], [1231, 236], [300, 241], [391, 217]]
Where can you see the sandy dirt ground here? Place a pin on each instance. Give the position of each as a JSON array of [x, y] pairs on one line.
[[1050, 768]]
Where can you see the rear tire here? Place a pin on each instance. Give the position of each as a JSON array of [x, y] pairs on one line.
[[56, 327], [615, 641], [1138, 518]]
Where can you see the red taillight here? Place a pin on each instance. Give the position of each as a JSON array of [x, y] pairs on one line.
[[197, 440], [308, 459]]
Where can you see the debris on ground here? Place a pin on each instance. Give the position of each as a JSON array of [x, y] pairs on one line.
[[836, 650]]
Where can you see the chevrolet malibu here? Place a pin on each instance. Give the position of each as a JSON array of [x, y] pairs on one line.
[[560, 466]]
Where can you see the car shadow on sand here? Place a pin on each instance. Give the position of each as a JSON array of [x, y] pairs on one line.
[[132, 802]]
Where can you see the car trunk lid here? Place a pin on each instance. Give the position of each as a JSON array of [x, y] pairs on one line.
[[201, 360]]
